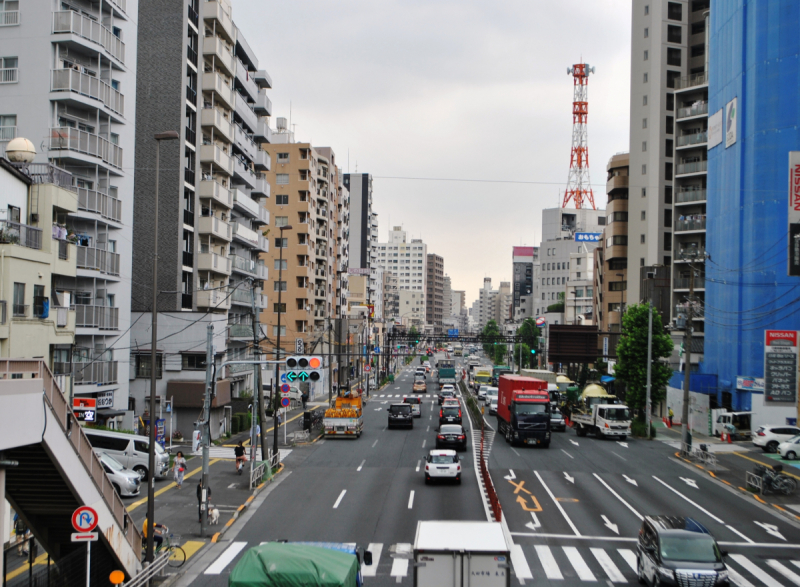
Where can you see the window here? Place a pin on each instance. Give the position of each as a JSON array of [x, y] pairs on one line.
[[8, 127], [278, 286], [281, 243], [644, 192], [673, 56], [668, 194], [9, 70], [646, 54], [671, 77], [698, 27], [674, 11], [668, 146], [578, 261], [668, 171], [667, 237], [193, 362], [282, 200], [281, 221], [670, 125], [279, 307], [670, 101], [282, 178], [280, 264], [38, 301], [698, 50], [645, 77], [143, 366], [646, 32], [641, 238], [641, 262], [617, 285], [644, 146], [644, 169], [275, 330], [644, 100], [646, 9], [283, 157], [618, 217], [19, 299], [644, 215]]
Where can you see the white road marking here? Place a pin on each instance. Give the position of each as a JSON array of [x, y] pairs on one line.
[[625, 444], [629, 557], [566, 453], [424, 442], [755, 570], [377, 409], [516, 453], [618, 455], [771, 529], [568, 478], [399, 568], [608, 565], [548, 561], [520, 563], [339, 500], [374, 443], [232, 486], [699, 507], [411, 499], [225, 558], [580, 566], [785, 571], [613, 527], [735, 531], [603, 538], [418, 462], [428, 429], [375, 548], [534, 523], [361, 465], [510, 475], [573, 442], [617, 495], [558, 505], [737, 579], [689, 482], [631, 481]]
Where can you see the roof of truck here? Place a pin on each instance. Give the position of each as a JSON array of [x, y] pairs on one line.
[[460, 535]]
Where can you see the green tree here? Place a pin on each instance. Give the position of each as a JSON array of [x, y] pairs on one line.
[[632, 357], [491, 335], [530, 340], [414, 333]]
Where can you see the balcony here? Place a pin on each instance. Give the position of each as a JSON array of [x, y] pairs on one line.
[[243, 173], [102, 317], [243, 233], [245, 81], [263, 79], [15, 233], [193, 17], [244, 296], [246, 114], [223, 57], [191, 55], [213, 226], [214, 262], [213, 81], [70, 80], [9, 75], [96, 373], [686, 196], [191, 96], [697, 138], [69, 21], [691, 81], [241, 331], [213, 10], [245, 204], [683, 282], [187, 258], [694, 110], [263, 104], [186, 301], [688, 224], [191, 136], [188, 176], [263, 216], [244, 142], [216, 119], [98, 260], [210, 189], [213, 298], [9, 18], [262, 187], [217, 157], [262, 161], [688, 254], [693, 167], [243, 264], [263, 133], [73, 139]]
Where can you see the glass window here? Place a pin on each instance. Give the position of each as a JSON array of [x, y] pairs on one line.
[[275, 330], [282, 178], [143, 366], [281, 221], [282, 200], [193, 362]]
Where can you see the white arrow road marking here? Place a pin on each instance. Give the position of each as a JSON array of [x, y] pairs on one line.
[[631, 481], [573, 442], [510, 475], [535, 524], [361, 465], [771, 529], [689, 482], [613, 527], [377, 409], [568, 478], [625, 444]]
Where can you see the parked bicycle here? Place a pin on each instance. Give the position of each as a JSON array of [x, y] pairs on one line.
[[177, 555], [775, 480]]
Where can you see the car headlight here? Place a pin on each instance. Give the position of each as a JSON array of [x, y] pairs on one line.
[[664, 572]]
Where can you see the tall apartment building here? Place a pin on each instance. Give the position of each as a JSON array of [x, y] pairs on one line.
[[412, 308], [578, 307], [434, 291], [611, 256], [458, 302], [360, 238], [406, 261], [67, 71], [522, 260], [391, 297], [212, 194], [447, 297], [305, 183], [342, 245], [505, 303], [485, 307]]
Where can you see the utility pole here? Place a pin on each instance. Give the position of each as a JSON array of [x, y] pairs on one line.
[[648, 406], [369, 335], [274, 394], [330, 362], [258, 391], [686, 433], [206, 424]]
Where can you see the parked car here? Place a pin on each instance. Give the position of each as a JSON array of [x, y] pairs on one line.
[[675, 550], [557, 421], [400, 415], [769, 437], [415, 403], [790, 449], [442, 464], [126, 483], [450, 415], [130, 450], [452, 436], [419, 386]]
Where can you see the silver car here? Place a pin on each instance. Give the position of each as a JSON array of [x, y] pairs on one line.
[[127, 483]]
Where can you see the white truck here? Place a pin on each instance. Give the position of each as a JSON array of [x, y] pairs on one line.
[[461, 554], [603, 420]]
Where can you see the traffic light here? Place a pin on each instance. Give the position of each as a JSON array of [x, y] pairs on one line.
[[533, 351], [304, 368]]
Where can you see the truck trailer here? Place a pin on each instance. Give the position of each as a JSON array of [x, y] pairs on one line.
[[523, 410]]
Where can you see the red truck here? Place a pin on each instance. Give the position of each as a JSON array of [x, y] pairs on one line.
[[523, 410]]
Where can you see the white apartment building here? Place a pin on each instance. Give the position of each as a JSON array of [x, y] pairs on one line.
[[406, 260], [579, 290], [412, 308]]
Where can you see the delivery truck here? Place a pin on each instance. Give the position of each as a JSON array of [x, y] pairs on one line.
[[446, 372], [523, 410], [483, 376], [461, 554], [601, 414], [345, 419]]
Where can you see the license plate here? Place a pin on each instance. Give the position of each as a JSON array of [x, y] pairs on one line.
[[443, 468]]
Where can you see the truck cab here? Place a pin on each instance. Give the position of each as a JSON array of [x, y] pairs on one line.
[[604, 420], [523, 410]]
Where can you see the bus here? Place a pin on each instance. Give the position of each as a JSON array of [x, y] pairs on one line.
[[458, 350]]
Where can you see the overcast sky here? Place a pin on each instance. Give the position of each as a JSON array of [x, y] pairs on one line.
[[461, 89]]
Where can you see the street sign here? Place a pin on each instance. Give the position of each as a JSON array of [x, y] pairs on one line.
[[299, 346], [84, 519], [367, 368], [105, 399], [85, 415], [452, 332], [84, 403], [85, 536], [291, 376], [285, 388], [780, 366], [285, 402]]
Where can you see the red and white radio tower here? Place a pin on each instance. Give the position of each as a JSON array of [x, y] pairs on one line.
[[578, 186]]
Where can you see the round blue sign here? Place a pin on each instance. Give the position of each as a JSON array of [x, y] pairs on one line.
[[285, 402]]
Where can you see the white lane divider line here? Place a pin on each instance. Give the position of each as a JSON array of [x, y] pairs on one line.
[[371, 570], [423, 443], [754, 570], [411, 499], [225, 558], [580, 566], [418, 462], [566, 453], [339, 499], [617, 495], [558, 505], [428, 429], [548, 561], [374, 443], [361, 465], [735, 531], [520, 563], [785, 571], [629, 557], [608, 565], [698, 506]]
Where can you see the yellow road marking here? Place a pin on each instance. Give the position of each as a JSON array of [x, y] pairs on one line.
[[136, 504], [247, 442], [216, 536], [190, 547], [519, 487], [567, 499], [524, 505], [39, 560], [763, 463]]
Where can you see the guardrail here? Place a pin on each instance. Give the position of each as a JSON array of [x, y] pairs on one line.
[[754, 481], [708, 459], [152, 570], [259, 471], [494, 501]]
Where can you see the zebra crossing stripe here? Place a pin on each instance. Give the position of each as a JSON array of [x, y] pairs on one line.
[[399, 567], [738, 580], [580, 566], [754, 570], [785, 571], [372, 570], [520, 563], [225, 558], [549, 563], [608, 565], [629, 557]]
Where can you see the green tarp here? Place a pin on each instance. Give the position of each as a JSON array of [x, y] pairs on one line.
[[277, 564]]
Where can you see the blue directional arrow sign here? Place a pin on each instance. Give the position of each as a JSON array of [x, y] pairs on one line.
[[283, 378], [291, 376], [303, 376]]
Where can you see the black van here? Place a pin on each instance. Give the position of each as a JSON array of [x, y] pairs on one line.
[[400, 415]]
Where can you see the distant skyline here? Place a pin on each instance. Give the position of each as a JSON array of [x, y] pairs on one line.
[[451, 90]]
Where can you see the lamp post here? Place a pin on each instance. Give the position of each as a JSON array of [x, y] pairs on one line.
[[169, 135], [278, 351], [686, 433]]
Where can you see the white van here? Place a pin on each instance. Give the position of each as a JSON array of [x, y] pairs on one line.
[[130, 450]]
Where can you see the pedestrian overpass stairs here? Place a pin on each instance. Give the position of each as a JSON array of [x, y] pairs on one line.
[[57, 470]]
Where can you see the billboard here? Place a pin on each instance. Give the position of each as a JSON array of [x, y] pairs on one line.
[[730, 123], [715, 129], [780, 366], [452, 332], [794, 213], [588, 237]]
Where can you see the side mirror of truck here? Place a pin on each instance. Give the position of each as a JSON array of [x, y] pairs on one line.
[[368, 558]]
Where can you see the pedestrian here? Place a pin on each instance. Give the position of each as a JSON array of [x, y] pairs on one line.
[[22, 532], [670, 414], [304, 399], [200, 499], [280, 417], [179, 469]]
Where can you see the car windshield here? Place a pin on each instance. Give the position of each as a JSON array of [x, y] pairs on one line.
[[618, 414], [443, 459], [523, 409], [113, 464], [400, 410], [555, 415], [451, 429], [447, 411], [700, 549], [411, 400]]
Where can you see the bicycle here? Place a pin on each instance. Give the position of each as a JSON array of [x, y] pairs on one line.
[[177, 557], [776, 480]]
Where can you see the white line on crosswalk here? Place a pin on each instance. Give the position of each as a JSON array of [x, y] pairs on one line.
[[548, 561], [629, 557], [785, 571], [411, 499], [738, 579], [339, 500], [225, 558], [399, 568], [580, 566], [371, 570], [520, 563], [608, 565], [754, 570]]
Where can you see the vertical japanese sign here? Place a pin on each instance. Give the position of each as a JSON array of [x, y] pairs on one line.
[[794, 213], [780, 366]]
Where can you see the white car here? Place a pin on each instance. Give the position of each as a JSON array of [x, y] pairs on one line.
[[482, 392], [127, 483], [491, 392], [448, 387], [442, 464], [493, 406], [768, 438], [790, 449]]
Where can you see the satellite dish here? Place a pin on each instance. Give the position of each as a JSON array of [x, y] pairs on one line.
[[20, 150]]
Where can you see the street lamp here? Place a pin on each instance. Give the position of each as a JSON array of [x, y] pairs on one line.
[[278, 346], [169, 135]]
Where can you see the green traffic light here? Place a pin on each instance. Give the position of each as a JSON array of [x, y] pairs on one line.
[[533, 351]]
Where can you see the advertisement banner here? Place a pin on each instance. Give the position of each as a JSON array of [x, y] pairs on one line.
[[588, 237], [715, 129], [105, 399], [745, 383], [780, 366], [794, 212], [730, 123]]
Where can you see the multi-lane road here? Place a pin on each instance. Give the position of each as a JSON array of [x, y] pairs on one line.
[[573, 511]]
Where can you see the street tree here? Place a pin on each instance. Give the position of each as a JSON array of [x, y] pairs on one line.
[[491, 335], [632, 357], [530, 340]]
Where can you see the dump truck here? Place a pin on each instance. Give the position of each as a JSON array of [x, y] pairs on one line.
[[523, 410], [345, 418], [601, 414]]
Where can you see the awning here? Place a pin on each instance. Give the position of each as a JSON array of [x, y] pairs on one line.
[[607, 378]]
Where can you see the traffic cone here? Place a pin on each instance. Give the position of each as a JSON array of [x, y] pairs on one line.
[[730, 440]]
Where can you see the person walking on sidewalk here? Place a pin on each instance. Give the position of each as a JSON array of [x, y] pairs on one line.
[[200, 499], [22, 532], [670, 415], [179, 469]]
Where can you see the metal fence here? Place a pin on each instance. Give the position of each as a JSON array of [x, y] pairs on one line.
[[699, 454], [37, 569], [261, 470]]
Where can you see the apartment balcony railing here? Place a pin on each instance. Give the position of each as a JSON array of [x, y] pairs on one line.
[[245, 80], [263, 134], [191, 95], [213, 298], [242, 296], [70, 80], [262, 160], [73, 139], [19, 310], [263, 103], [245, 233], [9, 17], [8, 133], [216, 47], [212, 9], [245, 203], [690, 224], [193, 16], [122, 5], [214, 262], [188, 217], [97, 373], [216, 191], [263, 243], [691, 81], [694, 254], [216, 156], [683, 282], [191, 136], [243, 264], [216, 119], [98, 260], [20, 234], [214, 81], [191, 54], [63, 250], [100, 203], [211, 225], [69, 21], [690, 196], [187, 258], [241, 331], [698, 310], [186, 301], [9, 75], [693, 167], [693, 110], [262, 187], [246, 113], [188, 176], [693, 139], [320, 293], [263, 215], [320, 272], [101, 317]]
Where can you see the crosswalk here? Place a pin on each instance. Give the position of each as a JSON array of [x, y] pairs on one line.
[[558, 563], [222, 452]]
